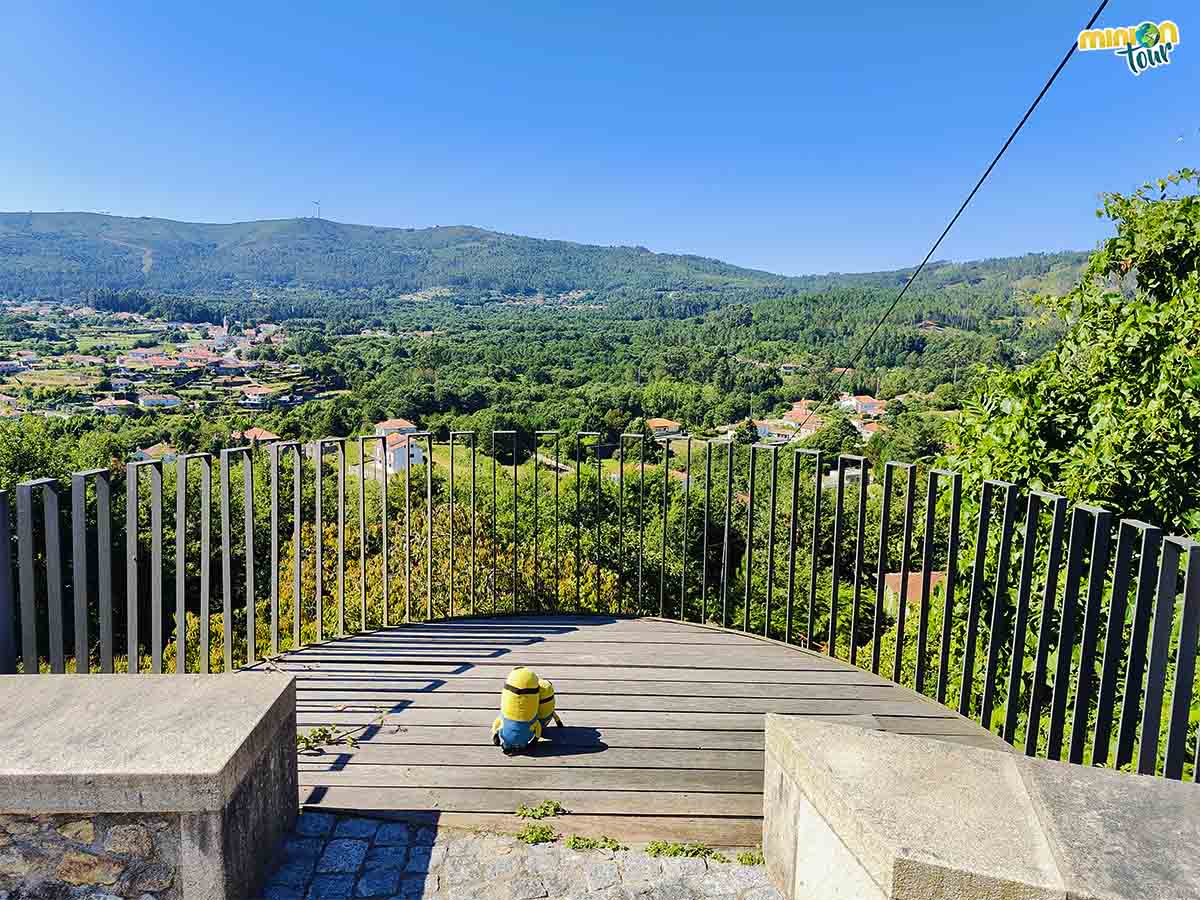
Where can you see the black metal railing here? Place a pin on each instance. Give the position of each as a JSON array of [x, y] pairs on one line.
[[1033, 626]]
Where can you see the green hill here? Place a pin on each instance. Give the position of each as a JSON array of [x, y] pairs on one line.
[[71, 254]]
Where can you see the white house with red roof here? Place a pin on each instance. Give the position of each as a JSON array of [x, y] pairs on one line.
[[401, 451], [395, 426]]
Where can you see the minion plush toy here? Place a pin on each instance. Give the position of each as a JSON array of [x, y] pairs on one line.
[[546, 704], [517, 727]]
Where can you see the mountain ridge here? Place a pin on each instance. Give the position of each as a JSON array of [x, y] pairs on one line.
[[69, 253]]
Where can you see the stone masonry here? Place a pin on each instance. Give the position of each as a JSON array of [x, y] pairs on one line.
[[72, 857], [347, 858]]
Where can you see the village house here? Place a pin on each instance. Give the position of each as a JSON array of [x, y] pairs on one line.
[[160, 451], [394, 426], [773, 430], [255, 435], [663, 427], [400, 452], [8, 366], [111, 406], [791, 368], [257, 396], [862, 404]]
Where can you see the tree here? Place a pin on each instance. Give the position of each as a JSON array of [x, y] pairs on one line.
[[1111, 415]]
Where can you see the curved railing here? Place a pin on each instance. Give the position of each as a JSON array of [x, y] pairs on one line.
[[1070, 635]]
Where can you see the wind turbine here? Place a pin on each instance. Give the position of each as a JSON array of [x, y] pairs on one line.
[[317, 204]]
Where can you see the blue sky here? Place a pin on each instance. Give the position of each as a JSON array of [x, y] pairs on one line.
[[792, 137]]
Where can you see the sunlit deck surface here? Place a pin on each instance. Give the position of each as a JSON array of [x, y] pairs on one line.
[[663, 733]]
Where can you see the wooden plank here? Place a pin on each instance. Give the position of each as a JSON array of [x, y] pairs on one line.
[[585, 705], [722, 832], [365, 714], [550, 779], [576, 687], [440, 670], [610, 803], [629, 738], [578, 755], [609, 655]]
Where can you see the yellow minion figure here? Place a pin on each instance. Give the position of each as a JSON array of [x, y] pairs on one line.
[[546, 704], [517, 727]]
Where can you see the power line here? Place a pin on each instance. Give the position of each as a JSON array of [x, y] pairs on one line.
[[971, 196]]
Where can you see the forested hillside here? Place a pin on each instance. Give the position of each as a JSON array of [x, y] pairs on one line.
[[297, 267]]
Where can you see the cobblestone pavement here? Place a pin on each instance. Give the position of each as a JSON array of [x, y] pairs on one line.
[[343, 858]]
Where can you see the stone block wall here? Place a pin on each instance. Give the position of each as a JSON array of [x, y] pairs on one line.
[[95, 857]]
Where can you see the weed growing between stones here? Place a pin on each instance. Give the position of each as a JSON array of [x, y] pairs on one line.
[[547, 809], [751, 857], [694, 851], [537, 834], [578, 842]]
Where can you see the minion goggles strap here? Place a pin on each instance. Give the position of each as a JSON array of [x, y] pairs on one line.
[[517, 690]]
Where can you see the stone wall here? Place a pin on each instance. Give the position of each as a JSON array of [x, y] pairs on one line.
[[65, 857]]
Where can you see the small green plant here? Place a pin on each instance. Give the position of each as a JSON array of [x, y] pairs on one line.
[[694, 851], [751, 857], [579, 842], [537, 834], [316, 739], [547, 809]]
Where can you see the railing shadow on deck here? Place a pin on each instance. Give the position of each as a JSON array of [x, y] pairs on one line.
[[1069, 634]]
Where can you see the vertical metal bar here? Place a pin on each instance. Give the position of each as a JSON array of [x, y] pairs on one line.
[[931, 489], [725, 555], [1160, 651], [384, 516], [662, 566], [951, 582], [860, 540], [515, 534], [1085, 679], [156, 583], [319, 535], [341, 533], [29, 648], [452, 434], [474, 441], [999, 603], [910, 492], [248, 528], [838, 509], [103, 564], [1185, 665], [1066, 636], [1114, 640], [205, 650], [771, 541], [1049, 600], [1021, 617], [1135, 668], [54, 577], [226, 565], [495, 517], [641, 521], [131, 566], [181, 564], [578, 518], [429, 522], [704, 544], [792, 532], [967, 685], [8, 610], [748, 591], [408, 527], [362, 533], [557, 557], [273, 450], [881, 570], [297, 546], [599, 516], [683, 551], [537, 541], [819, 474], [79, 573]]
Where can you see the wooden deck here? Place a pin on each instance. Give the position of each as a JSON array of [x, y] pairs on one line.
[[663, 733]]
